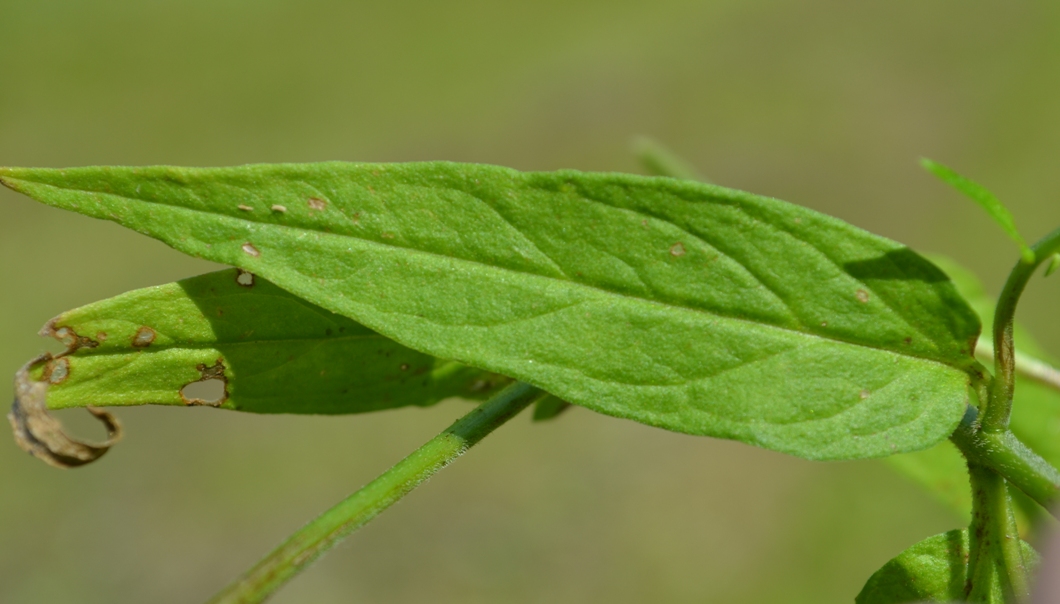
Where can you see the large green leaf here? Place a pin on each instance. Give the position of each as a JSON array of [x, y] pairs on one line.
[[239, 342], [677, 304], [933, 570], [1035, 415]]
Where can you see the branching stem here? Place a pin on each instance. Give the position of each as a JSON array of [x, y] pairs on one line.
[[1003, 453], [315, 538]]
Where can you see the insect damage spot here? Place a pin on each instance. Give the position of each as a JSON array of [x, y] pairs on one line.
[[864, 394], [677, 249], [38, 433], [244, 278], [101, 336], [316, 203], [862, 296], [143, 338], [250, 249], [210, 389], [57, 370]]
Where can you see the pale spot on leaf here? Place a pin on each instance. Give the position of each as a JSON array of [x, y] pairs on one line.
[[143, 338]]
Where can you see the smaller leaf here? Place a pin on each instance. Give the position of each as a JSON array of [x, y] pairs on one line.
[[549, 407], [1053, 265], [234, 340], [986, 199], [933, 570]]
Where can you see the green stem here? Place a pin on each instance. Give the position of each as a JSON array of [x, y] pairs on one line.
[[329, 528], [1003, 453], [994, 553], [996, 414]]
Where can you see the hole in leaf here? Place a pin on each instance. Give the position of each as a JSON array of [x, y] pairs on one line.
[[244, 278], [205, 392]]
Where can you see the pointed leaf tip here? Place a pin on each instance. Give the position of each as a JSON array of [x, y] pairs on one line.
[[658, 160], [984, 198], [1053, 265]]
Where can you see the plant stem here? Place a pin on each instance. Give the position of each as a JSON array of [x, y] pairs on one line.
[[994, 553], [315, 538], [996, 414], [1003, 453]]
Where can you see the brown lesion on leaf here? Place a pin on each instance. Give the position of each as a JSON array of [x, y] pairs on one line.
[[40, 434], [143, 337], [56, 370], [68, 337], [211, 389], [316, 203]]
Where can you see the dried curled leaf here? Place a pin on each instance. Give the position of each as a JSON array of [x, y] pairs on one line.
[[41, 435]]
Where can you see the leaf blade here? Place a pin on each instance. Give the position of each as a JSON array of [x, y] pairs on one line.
[[271, 351], [676, 304]]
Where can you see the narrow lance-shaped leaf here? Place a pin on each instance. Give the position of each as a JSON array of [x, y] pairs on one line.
[[979, 194], [234, 340], [677, 304]]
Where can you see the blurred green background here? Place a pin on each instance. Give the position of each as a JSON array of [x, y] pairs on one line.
[[825, 103]]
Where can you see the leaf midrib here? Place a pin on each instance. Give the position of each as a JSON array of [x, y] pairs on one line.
[[98, 352]]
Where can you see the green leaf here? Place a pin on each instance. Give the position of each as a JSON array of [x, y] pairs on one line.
[[933, 570], [681, 305], [236, 341], [660, 161], [548, 408], [1035, 415], [984, 198]]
